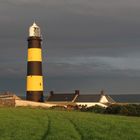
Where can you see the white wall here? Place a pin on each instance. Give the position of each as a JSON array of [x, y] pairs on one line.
[[88, 104], [103, 99], [32, 104]]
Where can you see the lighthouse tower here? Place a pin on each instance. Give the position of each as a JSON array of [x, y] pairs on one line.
[[34, 65]]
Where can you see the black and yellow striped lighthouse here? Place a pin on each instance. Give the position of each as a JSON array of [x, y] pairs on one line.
[[34, 65]]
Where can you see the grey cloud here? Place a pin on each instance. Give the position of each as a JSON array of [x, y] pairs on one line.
[[86, 43], [18, 2], [120, 63], [95, 66]]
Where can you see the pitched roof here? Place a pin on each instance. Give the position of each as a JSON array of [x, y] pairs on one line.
[[110, 100], [61, 97], [126, 98], [77, 97], [88, 98]]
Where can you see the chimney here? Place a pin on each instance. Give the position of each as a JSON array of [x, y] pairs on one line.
[[77, 92], [102, 92], [51, 93]]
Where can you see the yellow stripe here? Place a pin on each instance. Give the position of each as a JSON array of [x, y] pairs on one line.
[[34, 54], [34, 83]]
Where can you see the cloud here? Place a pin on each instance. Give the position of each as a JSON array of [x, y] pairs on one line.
[[120, 63], [86, 39], [22, 1], [94, 66]]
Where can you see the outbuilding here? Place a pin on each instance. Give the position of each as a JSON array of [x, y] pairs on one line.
[[76, 98]]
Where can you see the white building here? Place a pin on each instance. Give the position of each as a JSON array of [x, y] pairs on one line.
[[80, 99]]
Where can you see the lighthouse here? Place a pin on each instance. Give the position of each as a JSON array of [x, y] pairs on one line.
[[34, 89]]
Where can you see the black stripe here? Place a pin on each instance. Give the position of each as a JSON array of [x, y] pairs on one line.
[[34, 68], [34, 42], [36, 96]]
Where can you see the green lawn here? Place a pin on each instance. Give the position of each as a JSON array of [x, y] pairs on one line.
[[39, 124]]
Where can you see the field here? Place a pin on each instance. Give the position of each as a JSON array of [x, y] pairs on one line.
[[39, 124]]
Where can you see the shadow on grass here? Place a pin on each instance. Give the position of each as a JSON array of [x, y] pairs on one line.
[[48, 130], [76, 128]]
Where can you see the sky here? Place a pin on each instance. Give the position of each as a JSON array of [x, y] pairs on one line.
[[88, 45]]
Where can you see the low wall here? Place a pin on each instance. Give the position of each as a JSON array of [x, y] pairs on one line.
[[7, 102], [20, 103]]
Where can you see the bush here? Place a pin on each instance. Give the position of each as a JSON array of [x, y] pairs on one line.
[[58, 108], [96, 109], [113, 109], [129, 109], [72, 107]]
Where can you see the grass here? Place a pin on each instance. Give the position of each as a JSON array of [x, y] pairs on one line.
[[40, 124]]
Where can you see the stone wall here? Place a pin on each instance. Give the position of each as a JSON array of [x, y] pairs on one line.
[[7, 102]]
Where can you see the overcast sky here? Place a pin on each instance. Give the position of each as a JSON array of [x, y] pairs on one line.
[[87, 44]]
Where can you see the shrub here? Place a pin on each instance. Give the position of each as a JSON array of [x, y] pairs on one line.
[[113, 109], [128, 109], [96, 109], [58, 108]]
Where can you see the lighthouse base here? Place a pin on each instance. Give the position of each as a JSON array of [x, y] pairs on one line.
[[36, 96]]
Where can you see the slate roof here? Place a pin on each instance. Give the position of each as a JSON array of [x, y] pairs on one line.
[[64, 97], [126, 98], [88, 98], [110, 100], [77, 97]]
